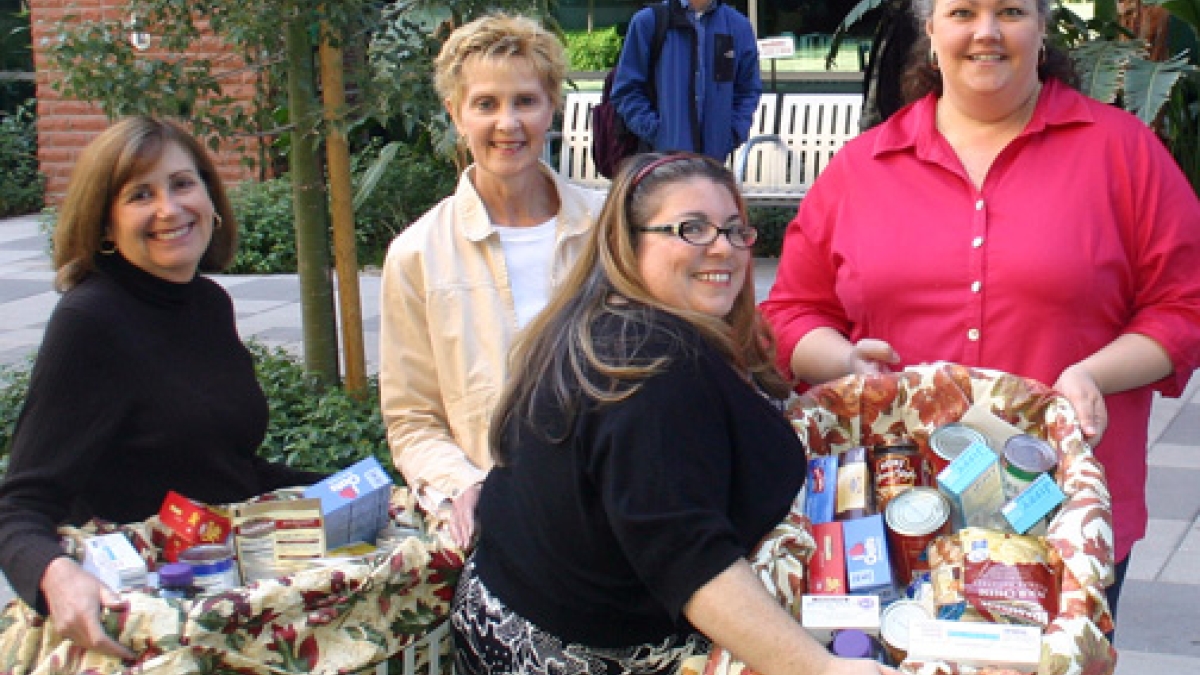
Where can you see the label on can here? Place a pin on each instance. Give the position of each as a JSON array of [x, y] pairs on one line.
[[914, 519], [894, 469], [853, 493]]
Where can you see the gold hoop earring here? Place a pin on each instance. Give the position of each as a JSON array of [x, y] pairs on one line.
[[108, 247], [218, 221], [933, 62]]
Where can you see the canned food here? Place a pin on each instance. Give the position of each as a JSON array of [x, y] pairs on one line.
[[894, 469], [853, 495], [1025, 458], [212, 565], [950, 440], [914, 519], [894, 623]]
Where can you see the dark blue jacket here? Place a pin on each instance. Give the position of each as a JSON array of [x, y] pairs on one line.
[[731, 74]]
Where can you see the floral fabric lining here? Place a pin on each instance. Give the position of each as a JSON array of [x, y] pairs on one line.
[[341, 618]]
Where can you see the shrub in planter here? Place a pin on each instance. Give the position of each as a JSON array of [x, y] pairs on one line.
[[21, 184], [267, 234]]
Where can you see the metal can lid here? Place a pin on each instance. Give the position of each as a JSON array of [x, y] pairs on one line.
[[950, 440], [205, 553], [917, 511], [1029, 455], [896, 618]]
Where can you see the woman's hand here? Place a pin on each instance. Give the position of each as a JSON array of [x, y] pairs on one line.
[[462, 518], [1081, 389], [869, 356], [75, 599]]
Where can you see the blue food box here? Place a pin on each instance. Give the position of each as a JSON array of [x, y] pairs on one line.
[[1031, 507], [821, 488], [354, 503], [868, 567], [973, 484]]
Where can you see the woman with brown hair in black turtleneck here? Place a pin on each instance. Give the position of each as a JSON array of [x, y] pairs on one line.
[[141, 384]]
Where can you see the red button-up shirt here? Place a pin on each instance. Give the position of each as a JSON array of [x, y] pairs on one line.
[[1084, 229]]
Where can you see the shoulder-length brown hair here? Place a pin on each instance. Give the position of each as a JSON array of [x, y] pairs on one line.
[[120, 153], [556, 352]]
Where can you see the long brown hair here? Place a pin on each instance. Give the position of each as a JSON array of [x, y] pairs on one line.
[[120, 153], [557, 351]]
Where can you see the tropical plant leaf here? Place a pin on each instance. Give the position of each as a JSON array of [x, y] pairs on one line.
[[855, 15], [1148, 84], [1102, 65], [1185, 10], [371, 178]]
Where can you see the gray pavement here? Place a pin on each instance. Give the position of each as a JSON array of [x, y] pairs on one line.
[[1159, 629]]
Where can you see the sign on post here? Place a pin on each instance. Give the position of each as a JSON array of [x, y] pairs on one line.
[[781, 47]]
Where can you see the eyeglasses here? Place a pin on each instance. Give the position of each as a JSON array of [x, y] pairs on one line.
[[700, 232]]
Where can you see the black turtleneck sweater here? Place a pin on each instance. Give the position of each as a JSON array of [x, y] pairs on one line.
[[141, 386]]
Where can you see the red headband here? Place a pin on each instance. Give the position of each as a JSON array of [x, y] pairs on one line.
[[667, 159]]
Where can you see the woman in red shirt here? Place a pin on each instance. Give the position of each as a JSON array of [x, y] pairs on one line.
[[1003, 220]]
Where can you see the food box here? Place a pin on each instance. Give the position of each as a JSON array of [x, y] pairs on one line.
[[973, 484], [868, 566], [822, 614], [820, 488], [191, 524], [354, 503], [827, 566], [976, 644], [113, 560]]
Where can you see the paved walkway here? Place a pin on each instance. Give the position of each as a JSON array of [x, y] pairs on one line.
[[1159, 630]]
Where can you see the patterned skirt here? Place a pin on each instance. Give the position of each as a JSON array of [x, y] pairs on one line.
[[490, 639]]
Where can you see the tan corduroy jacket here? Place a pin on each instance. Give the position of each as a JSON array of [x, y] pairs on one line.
[[447, 320]]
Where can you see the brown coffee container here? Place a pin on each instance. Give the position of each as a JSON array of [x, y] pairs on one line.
[[894, 469]]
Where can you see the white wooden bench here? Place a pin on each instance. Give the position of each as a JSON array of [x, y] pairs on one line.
[[777, 169], [792, 137]]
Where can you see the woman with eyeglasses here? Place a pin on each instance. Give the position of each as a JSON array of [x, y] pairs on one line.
[[640, 454]]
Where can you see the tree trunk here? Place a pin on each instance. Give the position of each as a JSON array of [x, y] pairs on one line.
[[345, 254], [308, 201]]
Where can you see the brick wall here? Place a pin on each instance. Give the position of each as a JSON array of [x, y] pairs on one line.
[[65, 126]]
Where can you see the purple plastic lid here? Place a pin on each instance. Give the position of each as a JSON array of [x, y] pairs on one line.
[[175, 575], [852, 644]]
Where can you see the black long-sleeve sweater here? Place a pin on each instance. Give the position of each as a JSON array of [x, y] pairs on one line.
[[603, 537], [141, 386]]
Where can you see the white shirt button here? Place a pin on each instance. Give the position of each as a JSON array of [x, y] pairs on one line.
[[975, 286], [973, 335], [979, 205], [977, 242]]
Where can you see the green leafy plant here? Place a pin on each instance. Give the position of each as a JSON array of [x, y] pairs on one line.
[[595, 50], [267, 241], [396, 183], [772, 222], [314, 426], [14, 382], [21, 184]]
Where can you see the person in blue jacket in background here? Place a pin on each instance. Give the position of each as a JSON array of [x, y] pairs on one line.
[[706, 79]]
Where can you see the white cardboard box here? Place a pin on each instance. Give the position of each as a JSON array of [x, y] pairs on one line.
[[976, 644]]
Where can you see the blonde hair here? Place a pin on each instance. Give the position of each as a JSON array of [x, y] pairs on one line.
[[557, 352], [119, 154], [500, 37]]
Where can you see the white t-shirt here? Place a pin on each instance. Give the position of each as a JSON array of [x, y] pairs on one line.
[[529, 254]]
